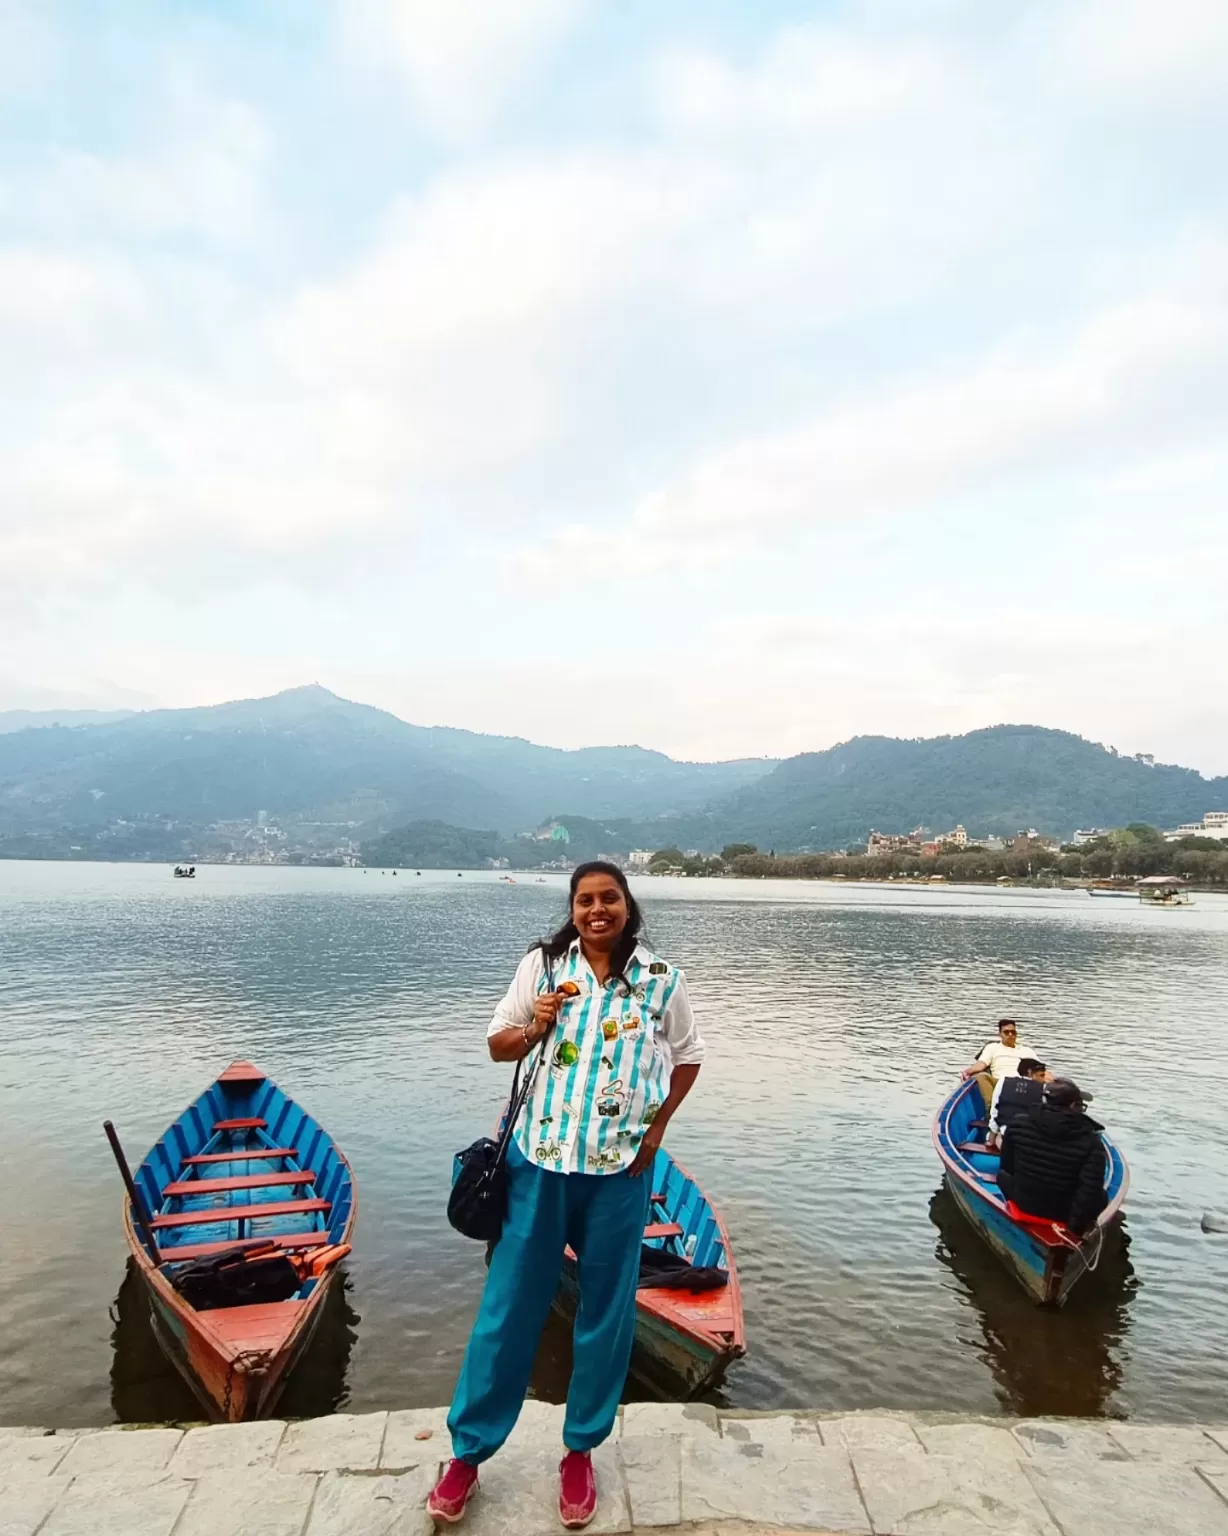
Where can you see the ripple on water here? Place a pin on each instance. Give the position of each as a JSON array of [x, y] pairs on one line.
[[835, 1018]]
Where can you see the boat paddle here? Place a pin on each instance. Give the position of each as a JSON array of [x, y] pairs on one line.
[[134, 1194]]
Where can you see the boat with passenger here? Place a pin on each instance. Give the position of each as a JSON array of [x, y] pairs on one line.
[[1044, 1256], [237, 1220], [1164, 891], [185, 871]]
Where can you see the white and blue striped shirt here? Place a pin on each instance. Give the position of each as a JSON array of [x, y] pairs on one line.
[[609, 1058]]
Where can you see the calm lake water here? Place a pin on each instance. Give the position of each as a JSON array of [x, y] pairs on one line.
[[836, 1019]]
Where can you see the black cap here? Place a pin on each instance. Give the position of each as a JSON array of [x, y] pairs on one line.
[[1065, 1093], [1028, 1065]]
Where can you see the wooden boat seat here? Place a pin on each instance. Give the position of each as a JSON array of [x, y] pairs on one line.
[[251, 1123], [977, 1146], [239, 1181], [662, 1229], [260, 1325], [237, 1157], [282, 1239], [241, 1072], [216, 1213]]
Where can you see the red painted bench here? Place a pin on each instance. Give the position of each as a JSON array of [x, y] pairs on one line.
[[282, 1239], [237, 1157], [253, 1123], [240, 1181], [238, 1213], [662, 1229]]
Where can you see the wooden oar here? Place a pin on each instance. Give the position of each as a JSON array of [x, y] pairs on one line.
[[134, 1194]]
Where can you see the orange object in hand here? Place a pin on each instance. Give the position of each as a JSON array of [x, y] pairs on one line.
[[569, 989]]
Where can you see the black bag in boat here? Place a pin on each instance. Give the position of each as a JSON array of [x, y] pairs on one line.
[[237, 1278], [477, 1206], [661, 1270]]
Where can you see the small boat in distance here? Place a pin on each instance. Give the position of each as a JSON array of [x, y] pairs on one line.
[[1106, 889], [1044, 1257], [685, 1340], [1163, 891], [185, 871], [243, 1168]]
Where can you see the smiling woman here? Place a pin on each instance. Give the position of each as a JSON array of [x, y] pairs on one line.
[[626, 1055]]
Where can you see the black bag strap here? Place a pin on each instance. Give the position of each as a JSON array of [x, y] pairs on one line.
[[520, 1097]]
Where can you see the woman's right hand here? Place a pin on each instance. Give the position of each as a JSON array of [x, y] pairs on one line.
[[546, 1011]]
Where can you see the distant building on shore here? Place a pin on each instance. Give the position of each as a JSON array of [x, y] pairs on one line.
[[891, 842], [1213, 824]]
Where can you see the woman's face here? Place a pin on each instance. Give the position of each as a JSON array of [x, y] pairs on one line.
[[599, 911]]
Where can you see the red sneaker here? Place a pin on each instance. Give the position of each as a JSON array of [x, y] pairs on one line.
[[577, 1490], [452, 1492]]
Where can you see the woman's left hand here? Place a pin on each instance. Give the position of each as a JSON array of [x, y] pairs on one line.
[[653, 1138]]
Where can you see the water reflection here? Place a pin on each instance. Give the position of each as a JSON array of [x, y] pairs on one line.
[[1043, 1361], [835, 1020], [146, 1388]]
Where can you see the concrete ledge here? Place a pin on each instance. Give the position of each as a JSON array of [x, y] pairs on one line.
[[669, 1467]]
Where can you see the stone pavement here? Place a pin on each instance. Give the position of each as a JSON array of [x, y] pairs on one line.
[[682, 1468]]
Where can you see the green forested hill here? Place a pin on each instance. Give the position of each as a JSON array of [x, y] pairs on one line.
[[994, 781], [307, 755]]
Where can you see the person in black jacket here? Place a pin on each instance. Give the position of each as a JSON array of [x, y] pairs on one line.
[[1053, 1160]]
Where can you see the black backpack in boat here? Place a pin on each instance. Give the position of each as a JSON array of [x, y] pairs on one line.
[[237, 1278], [661, 1270]]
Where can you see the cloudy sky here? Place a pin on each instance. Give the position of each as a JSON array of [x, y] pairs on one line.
[[731, 379]]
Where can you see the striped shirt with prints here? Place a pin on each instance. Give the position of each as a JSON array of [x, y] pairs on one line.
[[608, 1061]]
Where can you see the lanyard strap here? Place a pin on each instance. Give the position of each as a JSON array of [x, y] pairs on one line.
[[520, 1097]]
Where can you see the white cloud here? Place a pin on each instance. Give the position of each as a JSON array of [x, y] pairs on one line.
[[1141, 49], [806, 80], [203, 174], [64, 303], [1159, 364], [828, 281], [461, 59]]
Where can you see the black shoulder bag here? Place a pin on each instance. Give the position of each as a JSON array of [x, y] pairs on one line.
[[477, 1206]]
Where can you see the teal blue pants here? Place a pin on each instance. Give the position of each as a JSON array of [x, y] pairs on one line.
[[601, 1216]]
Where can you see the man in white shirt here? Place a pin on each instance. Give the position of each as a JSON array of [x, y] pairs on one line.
[[1001, 1057]]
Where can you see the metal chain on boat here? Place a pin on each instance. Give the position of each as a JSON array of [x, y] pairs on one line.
[[253, 1362]]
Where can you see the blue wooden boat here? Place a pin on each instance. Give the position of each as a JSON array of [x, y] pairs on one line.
[[1045, 1259], [684, 1340], [243, 1166]]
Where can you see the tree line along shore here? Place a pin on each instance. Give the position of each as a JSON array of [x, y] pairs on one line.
[[1129, 853]]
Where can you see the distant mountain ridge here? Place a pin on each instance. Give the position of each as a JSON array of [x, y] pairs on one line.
[[993, 781], [31, 719], [310, 759], [306, 755]]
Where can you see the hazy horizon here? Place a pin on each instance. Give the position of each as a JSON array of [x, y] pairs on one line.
[[734, 380], [579, 746]]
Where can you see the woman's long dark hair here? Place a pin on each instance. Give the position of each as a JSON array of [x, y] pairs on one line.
[[561, 941]]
